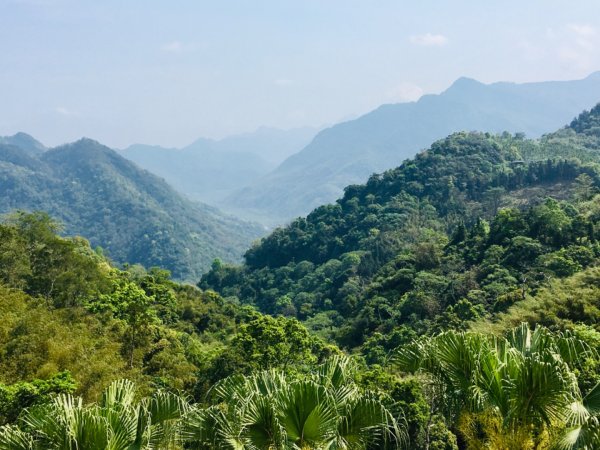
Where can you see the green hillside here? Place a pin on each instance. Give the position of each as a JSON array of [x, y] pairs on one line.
[[89, 352], [450, 303], [460, 232], [133, 215]]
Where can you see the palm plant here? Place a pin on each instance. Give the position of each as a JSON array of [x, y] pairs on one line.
[[268, 411], [517, 391], [118, 422], [583, 432]]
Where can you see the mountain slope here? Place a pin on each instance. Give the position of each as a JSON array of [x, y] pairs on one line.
[[209, 170], [461, 231], [25, 142], [131, 213], [349, 152]]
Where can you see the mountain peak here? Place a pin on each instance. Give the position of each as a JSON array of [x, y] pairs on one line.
[[83, 153], [200, 144], [25, 142], [84, 144], [464, 84], [22, 135], [464, 88], [87, 142]]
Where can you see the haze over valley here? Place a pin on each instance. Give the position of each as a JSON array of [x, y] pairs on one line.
[[299, 225]]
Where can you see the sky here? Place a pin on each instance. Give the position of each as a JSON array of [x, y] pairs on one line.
[[169, 72]]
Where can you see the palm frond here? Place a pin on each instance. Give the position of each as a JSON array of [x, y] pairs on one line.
[[592, 400], [120, 393], [307, 413], [12, 438]]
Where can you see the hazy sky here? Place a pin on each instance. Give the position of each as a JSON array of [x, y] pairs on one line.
[[168, 72]]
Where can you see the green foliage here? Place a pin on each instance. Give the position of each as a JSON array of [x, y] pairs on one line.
[[102, 323], [406, 398], [269, 409], [14, 398], [62, 271], [36, 342], [264, 342], [323, 409], [65, 308], [513, 392], [562, 304], [129, 302], [458, 234], [118, 422], [135, 216], [588, 122]]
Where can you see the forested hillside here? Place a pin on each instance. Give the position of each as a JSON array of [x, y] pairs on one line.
[[24, 142], [65, 307], [350, 152], [469, 227], [74, 326], [205, 373], [133, 215], [450, 303]]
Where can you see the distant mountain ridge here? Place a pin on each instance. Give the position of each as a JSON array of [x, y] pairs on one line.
[[134, 215], [349, 152], [208, 170], [25, 142]]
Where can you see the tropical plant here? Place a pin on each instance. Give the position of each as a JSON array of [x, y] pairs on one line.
[[118, 422], [267, 410], [584, 430], [518, 391]]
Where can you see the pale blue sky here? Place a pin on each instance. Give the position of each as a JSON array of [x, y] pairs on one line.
[[168, 72]]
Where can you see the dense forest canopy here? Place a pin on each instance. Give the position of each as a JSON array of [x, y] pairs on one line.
[[208, 373], [450, 303], [134, 215], [470, 226]]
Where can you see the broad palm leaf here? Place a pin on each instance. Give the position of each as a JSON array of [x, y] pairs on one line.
[[117, 423], [307, 413], [324, 410], [366, 422], [584, 434], [13, 438], [524, 380]]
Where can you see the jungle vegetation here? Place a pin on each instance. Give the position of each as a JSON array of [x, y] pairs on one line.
[[450, 303]]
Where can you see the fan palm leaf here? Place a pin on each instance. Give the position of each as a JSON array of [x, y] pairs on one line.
[[526, 379], [12, 438], [116, 423], [584, 434], [266, 410]]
